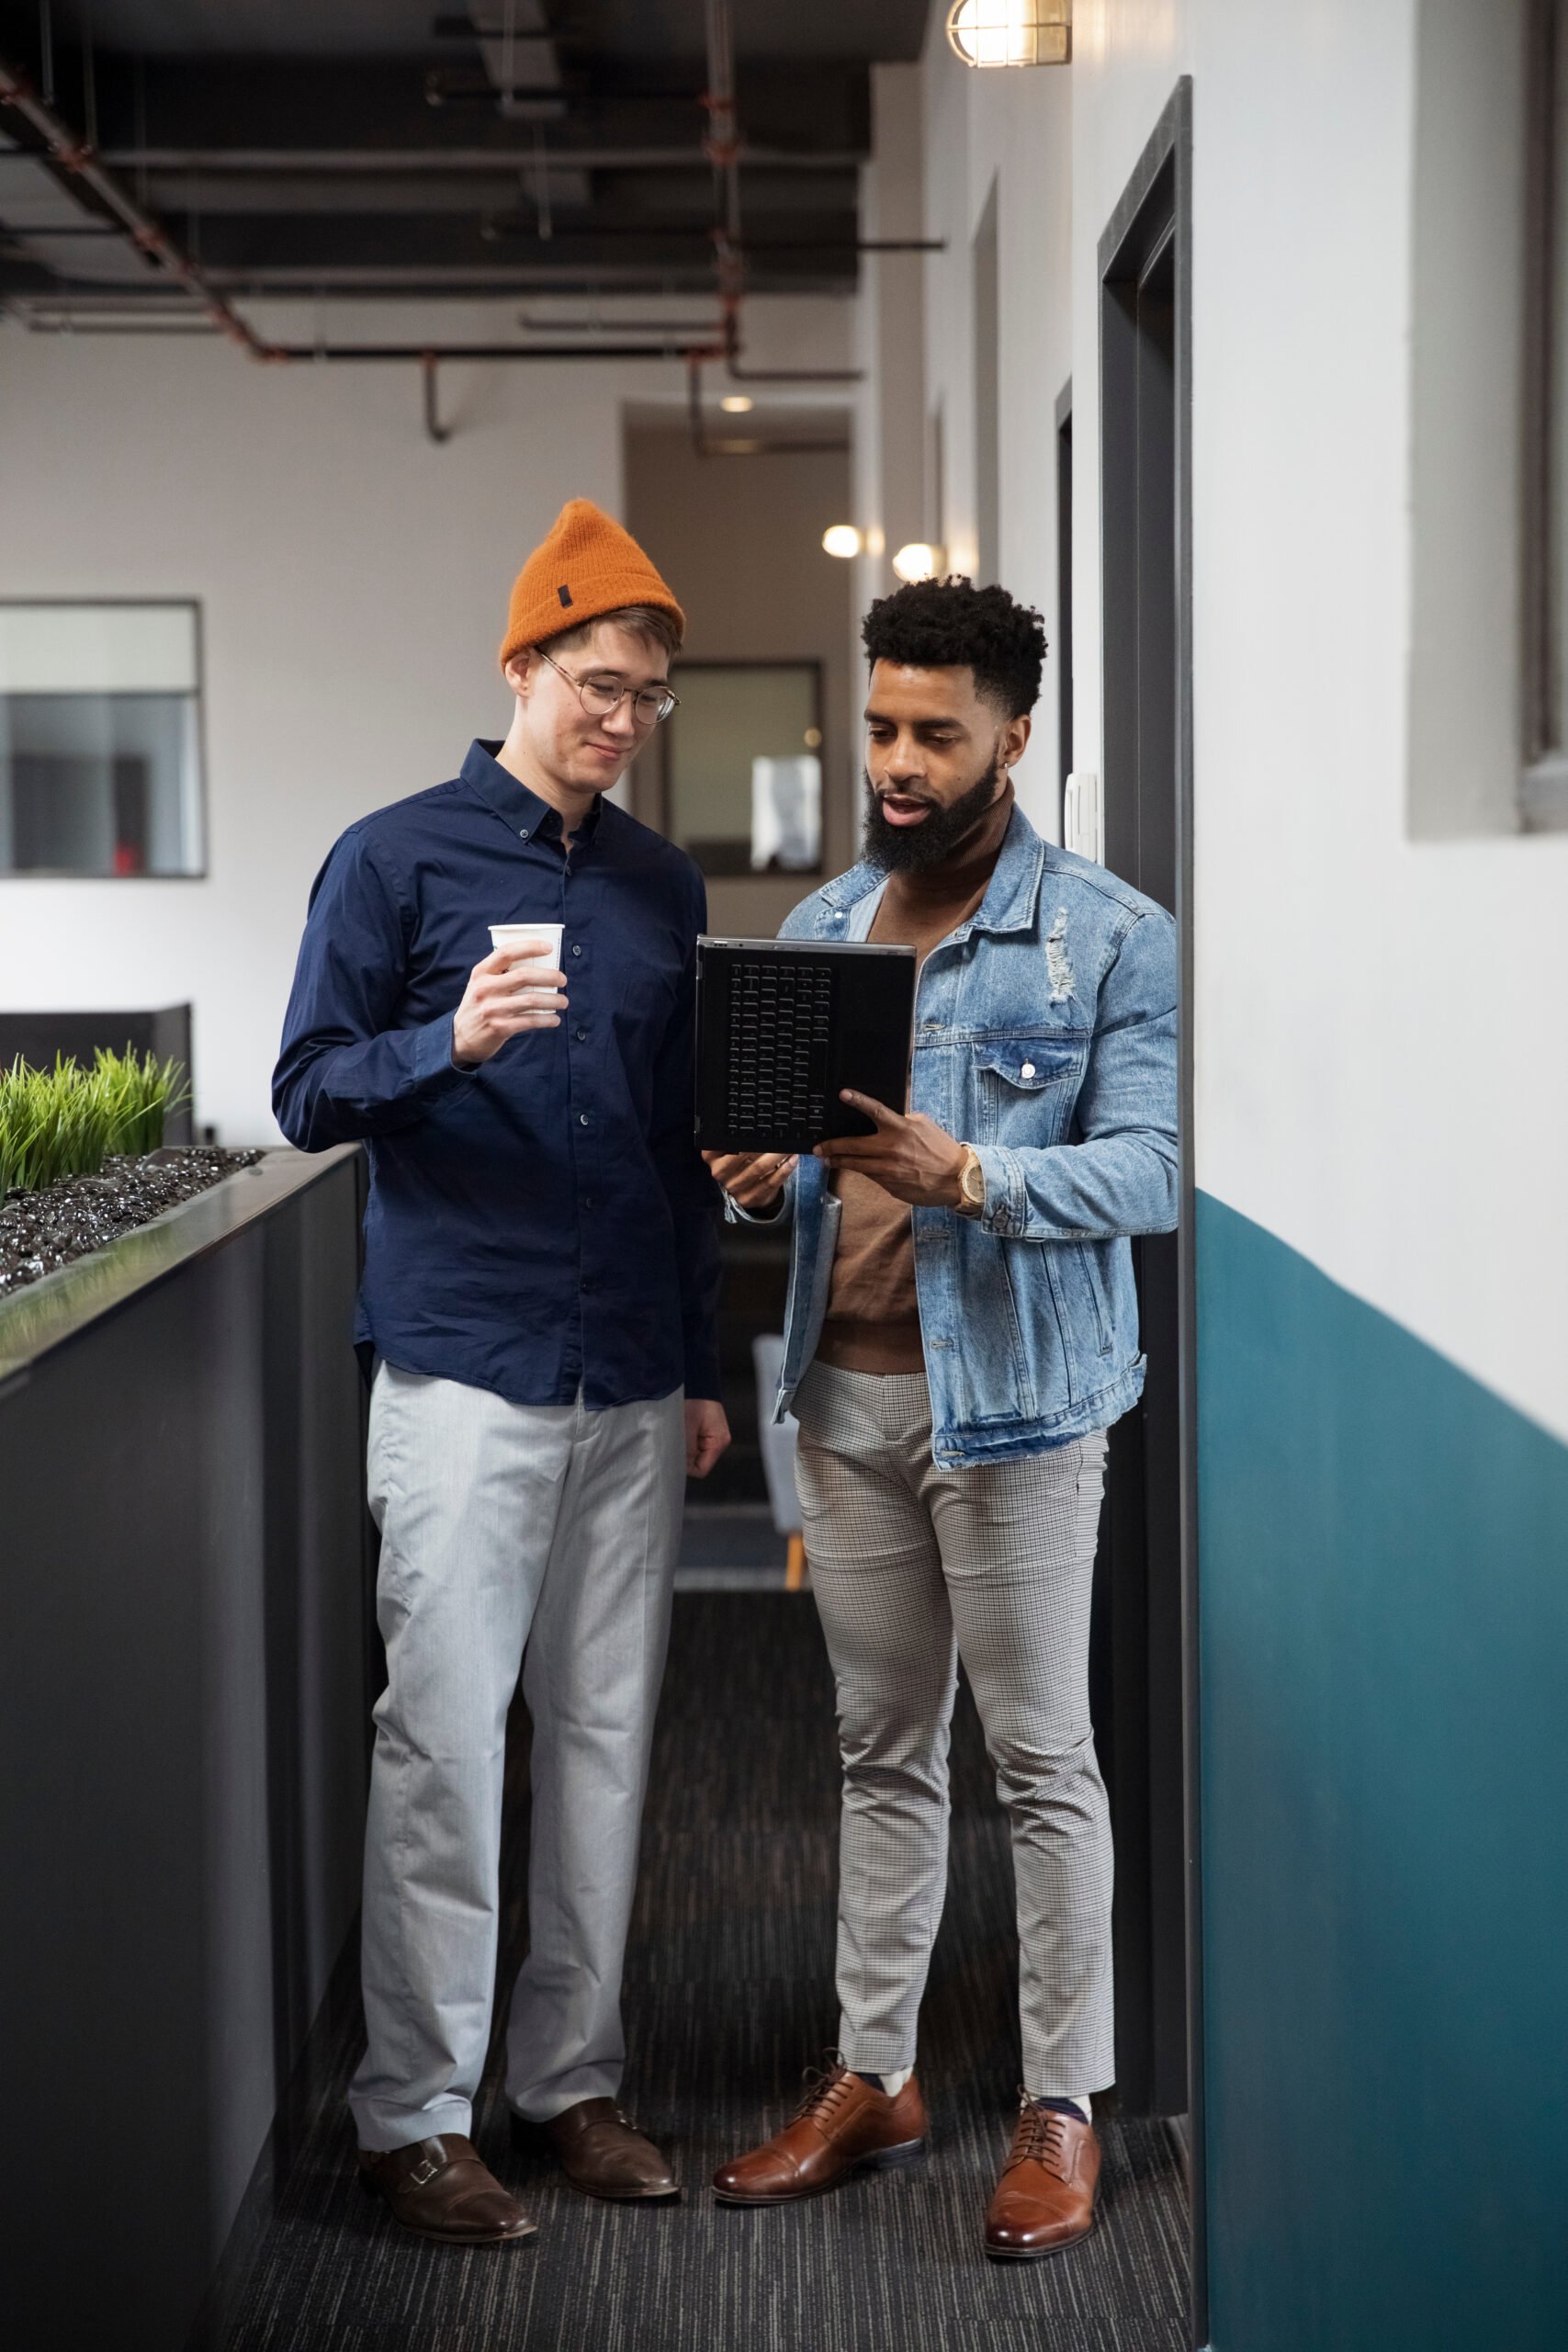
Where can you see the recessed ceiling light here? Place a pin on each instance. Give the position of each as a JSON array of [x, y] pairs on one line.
[[736, 403]]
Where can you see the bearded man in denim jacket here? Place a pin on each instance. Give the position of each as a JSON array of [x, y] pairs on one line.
[[962, 1330]]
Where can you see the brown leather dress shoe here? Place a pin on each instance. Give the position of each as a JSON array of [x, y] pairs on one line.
[[1044, 2200], [440, 2188], [841, 2125], [600, 2152]]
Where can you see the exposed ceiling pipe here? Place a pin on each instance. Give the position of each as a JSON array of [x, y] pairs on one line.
[[435, 430], [100, 191], [74, 161], [358, 162], [771, 445], [725, 146], [78, 165]]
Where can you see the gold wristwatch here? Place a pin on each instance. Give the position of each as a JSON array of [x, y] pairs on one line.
[[971, 1184]]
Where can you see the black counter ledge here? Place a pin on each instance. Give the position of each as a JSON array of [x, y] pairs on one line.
[[59, 1306]]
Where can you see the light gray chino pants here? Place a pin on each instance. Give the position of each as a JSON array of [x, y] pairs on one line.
[[914, 1567], [539, 1537]]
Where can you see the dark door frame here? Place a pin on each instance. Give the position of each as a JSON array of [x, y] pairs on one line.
[[1154, 216], [1064, 601]]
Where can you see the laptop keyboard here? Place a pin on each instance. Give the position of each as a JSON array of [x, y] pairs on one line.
[[778, 1017]]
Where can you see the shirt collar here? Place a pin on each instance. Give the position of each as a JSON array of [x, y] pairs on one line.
[[522, 811], [1014, 887], [1011, 894]]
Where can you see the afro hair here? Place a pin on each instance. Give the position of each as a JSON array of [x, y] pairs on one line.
[[951, 623]]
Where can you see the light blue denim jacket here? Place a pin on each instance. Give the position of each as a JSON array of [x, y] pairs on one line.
[[1045, 1036]]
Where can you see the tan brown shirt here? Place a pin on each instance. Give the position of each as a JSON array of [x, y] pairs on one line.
[[872, 1323]]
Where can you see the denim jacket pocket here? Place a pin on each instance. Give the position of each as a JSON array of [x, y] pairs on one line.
[[1024, 1089]]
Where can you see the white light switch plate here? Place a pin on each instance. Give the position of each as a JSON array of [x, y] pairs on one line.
[[1080, 816]]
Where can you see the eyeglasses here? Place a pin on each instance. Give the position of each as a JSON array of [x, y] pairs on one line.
[[599, 696]]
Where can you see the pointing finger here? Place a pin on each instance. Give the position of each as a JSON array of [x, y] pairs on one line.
[[871, 1106]]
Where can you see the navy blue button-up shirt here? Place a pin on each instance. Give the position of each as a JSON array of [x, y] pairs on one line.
[[543, 1222]]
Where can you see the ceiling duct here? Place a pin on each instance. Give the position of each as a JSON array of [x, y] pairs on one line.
[[104, 208]]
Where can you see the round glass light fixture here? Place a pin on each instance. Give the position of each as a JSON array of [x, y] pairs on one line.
[[841, 538], [1011, 32], [736, 403], [918, 560]]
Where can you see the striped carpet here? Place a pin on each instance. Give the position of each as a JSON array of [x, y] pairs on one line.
[[728, 1995]]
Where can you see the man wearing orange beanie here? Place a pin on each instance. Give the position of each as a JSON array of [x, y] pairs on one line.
[[541, 1273]]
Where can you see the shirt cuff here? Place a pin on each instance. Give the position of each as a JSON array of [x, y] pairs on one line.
[[735, 1214], [441, 1058], [1006, 1198]]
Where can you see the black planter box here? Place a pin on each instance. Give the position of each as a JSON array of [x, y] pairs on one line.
[[186, 1666]]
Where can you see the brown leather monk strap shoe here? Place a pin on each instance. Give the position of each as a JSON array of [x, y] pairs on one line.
[[841, 2125], [600, 2152], [1044, 2200], [439, 2188]]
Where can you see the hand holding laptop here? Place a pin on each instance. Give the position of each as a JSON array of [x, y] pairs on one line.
[[783, 1027], [754, 1180], [910, 1156]]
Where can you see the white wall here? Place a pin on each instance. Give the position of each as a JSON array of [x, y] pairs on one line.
[[889, 460], [1014, 129], [353, 578], [1381, 1074]]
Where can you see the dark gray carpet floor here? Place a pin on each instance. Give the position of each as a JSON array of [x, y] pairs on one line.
[[730, 1994]]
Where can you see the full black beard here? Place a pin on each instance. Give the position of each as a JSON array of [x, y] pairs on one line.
[[915, 849]]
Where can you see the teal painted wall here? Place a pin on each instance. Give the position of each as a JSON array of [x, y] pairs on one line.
[[1384, 1661]]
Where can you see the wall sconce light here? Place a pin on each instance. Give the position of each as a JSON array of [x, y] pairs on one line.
[[918, 560], [841, 538], [736, 403], [1011, 32]]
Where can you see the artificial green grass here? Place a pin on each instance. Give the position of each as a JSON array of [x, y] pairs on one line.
[[67, 1121]]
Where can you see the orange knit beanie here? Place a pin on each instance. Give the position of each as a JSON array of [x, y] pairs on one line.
[[586, 567]]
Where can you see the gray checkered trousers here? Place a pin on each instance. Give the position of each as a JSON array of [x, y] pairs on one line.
[[914, 1567]]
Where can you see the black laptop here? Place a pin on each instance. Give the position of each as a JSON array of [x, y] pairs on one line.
[[783, 1025]]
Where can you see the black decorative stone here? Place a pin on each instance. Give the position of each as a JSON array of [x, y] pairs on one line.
[[42, 1230]]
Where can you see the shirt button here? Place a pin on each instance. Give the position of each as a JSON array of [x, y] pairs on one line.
[[582, 1118], [576, 951], [582, 1034], [1028, 1071], [522, 834], [588, 1200]]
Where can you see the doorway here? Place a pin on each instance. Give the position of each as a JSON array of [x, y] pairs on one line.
[[1144, 1663]]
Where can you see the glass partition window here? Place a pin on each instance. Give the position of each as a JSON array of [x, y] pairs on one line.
[[743, 766], [100, 740]]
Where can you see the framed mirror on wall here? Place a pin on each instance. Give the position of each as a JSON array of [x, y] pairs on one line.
[[100, 739], [740, 788]]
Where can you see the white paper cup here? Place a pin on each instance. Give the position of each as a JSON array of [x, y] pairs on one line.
[[517, 934]]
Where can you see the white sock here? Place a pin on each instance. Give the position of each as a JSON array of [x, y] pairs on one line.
[[892, 2083]]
